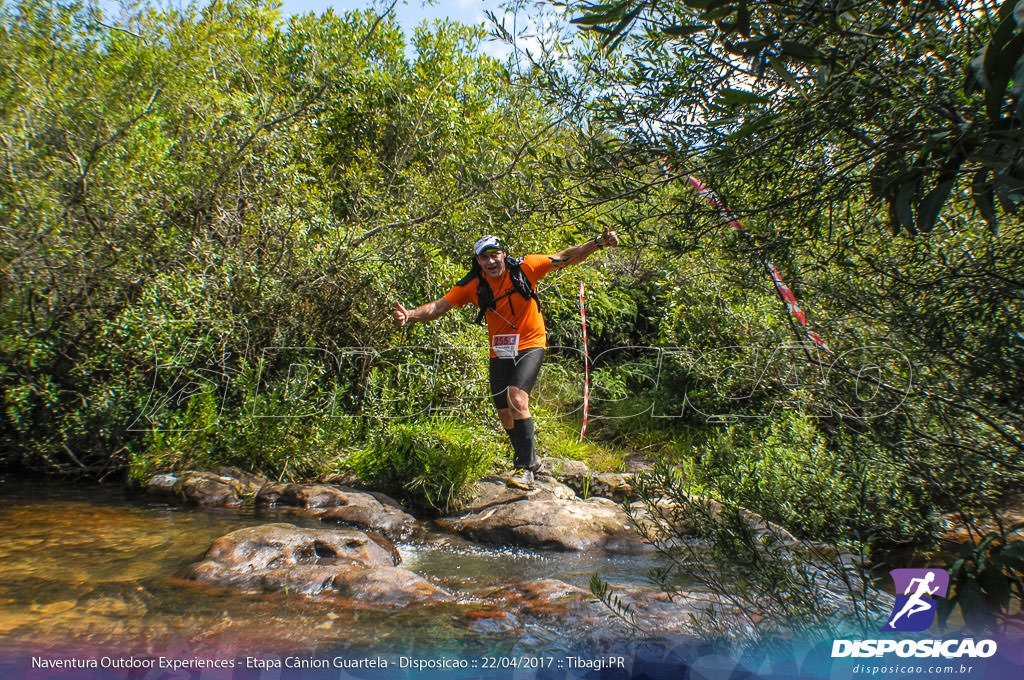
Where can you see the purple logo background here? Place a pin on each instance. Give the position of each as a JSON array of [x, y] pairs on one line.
[[916, 593]]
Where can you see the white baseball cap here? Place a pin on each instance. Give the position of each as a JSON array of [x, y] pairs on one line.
[[487, 243]]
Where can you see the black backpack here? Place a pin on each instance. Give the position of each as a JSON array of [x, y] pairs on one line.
[[485, 296]]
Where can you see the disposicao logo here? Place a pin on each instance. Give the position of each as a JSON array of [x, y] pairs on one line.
[[914, 610]]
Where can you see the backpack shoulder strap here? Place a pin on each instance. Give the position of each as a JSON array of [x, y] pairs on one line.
[[484, 295], [520, 281], [484, 298]]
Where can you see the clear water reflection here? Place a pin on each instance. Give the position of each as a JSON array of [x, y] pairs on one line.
[[86, 566]]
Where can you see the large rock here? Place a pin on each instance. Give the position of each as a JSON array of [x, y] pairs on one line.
[[249, 482], [594, 524], [199, 488], [614, 485], [585, 483], [667, 520], [494, 490], [332, 504], [285, 558]]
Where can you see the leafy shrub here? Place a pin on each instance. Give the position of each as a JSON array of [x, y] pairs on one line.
[[789, 471], [987, 582], [767, 586], [430, 464]]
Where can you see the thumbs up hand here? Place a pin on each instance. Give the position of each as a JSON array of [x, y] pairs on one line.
[[609, 238], [400, 315]]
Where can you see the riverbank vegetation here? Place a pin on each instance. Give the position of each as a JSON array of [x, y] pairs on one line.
[[208, 214]]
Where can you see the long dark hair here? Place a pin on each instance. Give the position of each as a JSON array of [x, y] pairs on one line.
[[474, 271]]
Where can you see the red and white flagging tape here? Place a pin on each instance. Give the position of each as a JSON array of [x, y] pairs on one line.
[[586, 366], [780, 286]]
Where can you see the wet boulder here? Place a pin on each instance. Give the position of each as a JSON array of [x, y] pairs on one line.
[[207, 488], [198, 488], [332, 504], [285, 558], [585, 483], [614, 485], [571, 525], [495, 490], [668, 520], [248, 482]]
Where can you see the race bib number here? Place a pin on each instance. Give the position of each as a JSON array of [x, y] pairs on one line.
[[505, 346]]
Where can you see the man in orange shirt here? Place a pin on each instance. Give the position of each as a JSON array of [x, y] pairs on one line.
[[503, 287]]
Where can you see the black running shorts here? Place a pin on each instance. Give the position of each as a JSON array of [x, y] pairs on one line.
[[520, 372]]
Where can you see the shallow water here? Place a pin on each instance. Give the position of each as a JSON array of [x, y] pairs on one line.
[[85, 567]]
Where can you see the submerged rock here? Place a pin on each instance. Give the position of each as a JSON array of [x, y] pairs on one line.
[[561, 524], [646, 613], [332, 504], [286, 558], [489, 619], [549, 598], [541, 601]]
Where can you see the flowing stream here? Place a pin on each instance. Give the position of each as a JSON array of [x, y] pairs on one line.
[[85, 567]]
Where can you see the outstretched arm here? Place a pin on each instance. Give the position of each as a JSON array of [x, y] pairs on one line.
[[576, 254], [425, 312]]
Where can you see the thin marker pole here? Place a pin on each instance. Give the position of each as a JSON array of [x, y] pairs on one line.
[[586, 366]]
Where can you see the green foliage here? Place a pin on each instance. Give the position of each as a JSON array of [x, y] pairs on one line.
[[286, 429], [790, 113], [765, 585], [987, 582], [604, 593], [871, 153], [430, 464], [825, 488], [925, 98], [199, 202]]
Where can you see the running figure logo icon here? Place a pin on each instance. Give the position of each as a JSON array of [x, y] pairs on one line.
[[916, 590]]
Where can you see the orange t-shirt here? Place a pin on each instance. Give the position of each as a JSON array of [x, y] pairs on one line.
[[515, 314]]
